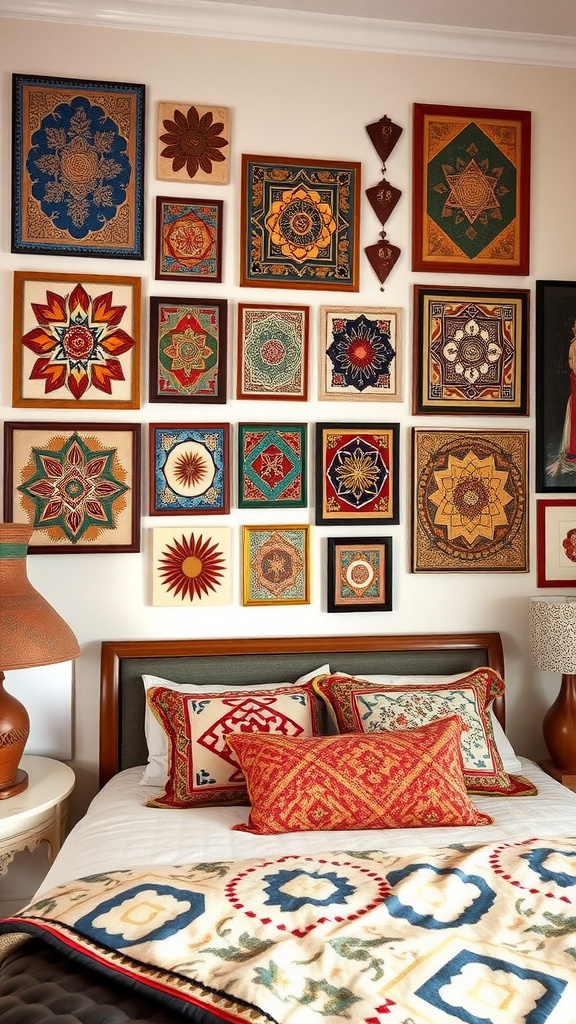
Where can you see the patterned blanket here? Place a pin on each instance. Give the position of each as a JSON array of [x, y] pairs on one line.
[[483, 935]]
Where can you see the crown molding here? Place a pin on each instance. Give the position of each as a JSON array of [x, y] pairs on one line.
[[263, 24]]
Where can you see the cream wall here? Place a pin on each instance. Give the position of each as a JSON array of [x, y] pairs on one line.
[[292, 101]]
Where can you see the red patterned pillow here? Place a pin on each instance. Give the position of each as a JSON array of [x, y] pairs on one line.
[[406, 779], [359, 706], [202, 769]]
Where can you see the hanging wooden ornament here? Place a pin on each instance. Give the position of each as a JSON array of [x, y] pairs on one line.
[[382, 257], [383, 198], [384, 135]]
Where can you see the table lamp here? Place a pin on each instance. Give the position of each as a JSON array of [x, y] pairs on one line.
[[553, 649], [31, 634]]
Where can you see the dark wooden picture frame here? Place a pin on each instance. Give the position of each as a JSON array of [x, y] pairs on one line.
[[471, 190], [189, 469], [78, 487], [359, 576], [188, 350], [357, 473], [188, 239], [470, 352], [556, 386]]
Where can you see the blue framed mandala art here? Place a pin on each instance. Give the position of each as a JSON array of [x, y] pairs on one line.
[[189, 469], [77, 167]]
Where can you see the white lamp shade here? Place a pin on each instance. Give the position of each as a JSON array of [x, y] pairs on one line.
[[553, 634]]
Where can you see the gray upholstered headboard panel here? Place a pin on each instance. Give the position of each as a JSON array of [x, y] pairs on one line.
[[248, 662]]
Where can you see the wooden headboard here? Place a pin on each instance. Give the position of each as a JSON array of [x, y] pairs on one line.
[[244, 662]]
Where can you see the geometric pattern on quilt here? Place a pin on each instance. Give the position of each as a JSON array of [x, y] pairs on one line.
[[483, 934], [406, 779], [358, 706], [202, 769]]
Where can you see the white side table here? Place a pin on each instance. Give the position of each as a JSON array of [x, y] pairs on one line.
[[39, 813]]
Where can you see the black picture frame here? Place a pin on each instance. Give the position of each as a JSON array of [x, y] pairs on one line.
[[555, 386], [369, 559]]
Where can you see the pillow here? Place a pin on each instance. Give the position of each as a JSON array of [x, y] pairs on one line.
[[510, 761], [359, 706], [156, 771], [408, 779], [202, 769]]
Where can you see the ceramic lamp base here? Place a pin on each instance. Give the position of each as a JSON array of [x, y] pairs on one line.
[[559, 726], [18, 786]]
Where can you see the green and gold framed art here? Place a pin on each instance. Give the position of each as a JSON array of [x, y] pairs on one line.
[[188, 346], [471, 190], [470, 350], [357, 469], [469, 500], [300, 223], [276, 561], [77, 167], [272, 465]]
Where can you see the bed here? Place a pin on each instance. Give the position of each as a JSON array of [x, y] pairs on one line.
[[157, 912]]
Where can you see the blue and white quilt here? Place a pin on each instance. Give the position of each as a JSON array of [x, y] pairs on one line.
[[483, 935]]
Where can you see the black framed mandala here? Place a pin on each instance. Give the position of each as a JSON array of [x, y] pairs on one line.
[[357, 473], [470, 500], [191, 566], [189, 469], [360, 353], [78, 487], [359, 574], [77, 167], [300, 223], [470, 351]]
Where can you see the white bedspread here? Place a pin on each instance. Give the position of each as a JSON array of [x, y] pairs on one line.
[[119, 831]]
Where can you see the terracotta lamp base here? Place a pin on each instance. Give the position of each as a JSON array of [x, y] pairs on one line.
[[559, 726], [14, 730]]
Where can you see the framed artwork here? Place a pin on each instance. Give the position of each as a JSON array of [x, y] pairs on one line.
[[272, 465], [556, 542], [77, 167], [76, 341], [360, 354], [470, 351], [191, 566], [469, 504], [78, 487], [359, 574], [357, 473], [272, 358], [193, 143], [189, 469], [188, 239], [556, 386], [276, 562], [471, 190], [300, 225], [188, 345]]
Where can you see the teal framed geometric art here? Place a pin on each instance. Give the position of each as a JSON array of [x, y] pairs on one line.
[[77, 167], [77, 486], [359, 574], [357, 468], [191, 566], [300, 223], [360, 354], [272, 465], [276, 562], [188, 239], [189, 469], [188, 344], [471, 190], [272, 353]]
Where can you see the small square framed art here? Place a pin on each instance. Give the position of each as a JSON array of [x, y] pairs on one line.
[[276, 561], [357, 473], [470, 351], [193, 143], [76, 341], [188, 350], [189, 469], [359, 574], [188, 239], [360, 353], [78, 487], [556, 542], [272, 354], [272, 465], [191, 566]]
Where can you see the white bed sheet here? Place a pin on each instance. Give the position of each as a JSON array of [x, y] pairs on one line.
[[119, 831]]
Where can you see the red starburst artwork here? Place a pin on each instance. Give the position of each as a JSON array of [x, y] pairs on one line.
[[76, 341], [191, 566]]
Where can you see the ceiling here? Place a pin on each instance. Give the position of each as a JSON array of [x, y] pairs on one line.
[[511, 31]]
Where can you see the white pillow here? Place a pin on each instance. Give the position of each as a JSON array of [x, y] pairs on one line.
[[156, 771], [505, 749]]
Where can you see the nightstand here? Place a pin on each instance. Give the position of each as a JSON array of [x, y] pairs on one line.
[[39, 813], [564, 777]]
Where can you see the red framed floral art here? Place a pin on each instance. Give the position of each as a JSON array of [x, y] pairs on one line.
[[556, 542], [76, 341], [188, 345], [357, 468]]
